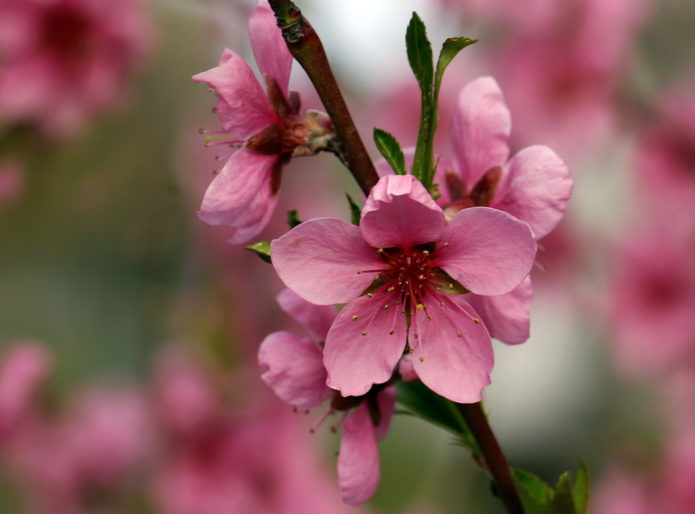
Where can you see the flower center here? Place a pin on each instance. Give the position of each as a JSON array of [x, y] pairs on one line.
[[65, 31]]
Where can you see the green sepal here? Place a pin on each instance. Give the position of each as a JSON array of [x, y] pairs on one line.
[[389, 147], [355, 210], [293, 218], [536, 496], [422, 402], [580, 489], [262, 249]]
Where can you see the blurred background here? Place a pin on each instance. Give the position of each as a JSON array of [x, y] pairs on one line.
[[129, 329]]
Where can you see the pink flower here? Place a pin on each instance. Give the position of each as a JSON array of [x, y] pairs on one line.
[[653, 303], [263, 129], [406, 255], [23, 369], [63, 60], [534, 186], [293, 367]]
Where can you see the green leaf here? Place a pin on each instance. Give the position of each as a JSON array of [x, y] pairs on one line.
[[293, 218], [580, 489], [450, 48], [563, 502], [391, 150], [419, 52], [355, 211], [262, 249], [536, 496], [425, 404]]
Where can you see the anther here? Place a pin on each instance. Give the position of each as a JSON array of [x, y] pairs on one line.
[[386, 306], [476, 321], [390, 289], [429, 318], [421, 277], [364, 332], [441, 304], [355, 317], [420, 307], [415, 336], [359, 272], [458, 333], [391, 332], [425, 252], [445, 244], [421, 359], [369, 295]]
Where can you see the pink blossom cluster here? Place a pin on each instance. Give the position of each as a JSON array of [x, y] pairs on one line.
[[425, 283], [182, 445], [61, 61]]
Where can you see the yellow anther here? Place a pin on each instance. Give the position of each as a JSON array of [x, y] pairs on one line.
[[364, 332], [476, 320], [421, 359], [391, 332], [354, 318], [420, 307]]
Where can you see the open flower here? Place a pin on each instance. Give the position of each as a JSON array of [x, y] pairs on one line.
[[534, 186], [293, 367], [263, 129], [394, 272]]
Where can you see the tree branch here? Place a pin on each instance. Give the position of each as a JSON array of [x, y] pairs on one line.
[[305, 46], [494, 457]]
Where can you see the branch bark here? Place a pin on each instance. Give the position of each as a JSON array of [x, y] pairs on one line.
[[306, 47]]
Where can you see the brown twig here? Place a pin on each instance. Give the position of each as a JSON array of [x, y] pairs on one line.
[[494, 457], [305, 46]]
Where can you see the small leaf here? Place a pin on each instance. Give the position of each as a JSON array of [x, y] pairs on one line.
[[536, 496], [450, 49], [293, 218], [355, 211], [388, 147], [262, 249], [580, 489], [428, 405], [562, 501], [419, 52]]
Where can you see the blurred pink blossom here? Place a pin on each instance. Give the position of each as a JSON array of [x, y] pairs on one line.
[[61, 61], [11, 182]]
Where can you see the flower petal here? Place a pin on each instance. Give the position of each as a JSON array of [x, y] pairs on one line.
[[480, 129], [358, 461], [243, 106], [536, 190], [489, 251], [507, 316], [386, 399], [399, 212], [452, 353], [264, 203], [365, 343], [293, 368], [237, 196], [269, 48], [322, 260], [317, 319]]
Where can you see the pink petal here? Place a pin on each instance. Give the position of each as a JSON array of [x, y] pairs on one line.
[[507, 316], [252, 228], [237, 196], [452, 354], [358, 461], [399, 212], [406, 368], [537, 189], [269, 48], [293, 368], [386, 399], [243, 107], [322, 260], [315, 318], [489, 251], [361, 351], [480, 130]]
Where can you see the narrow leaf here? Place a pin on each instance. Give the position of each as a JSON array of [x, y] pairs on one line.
[[536, 496], [262, 249], [355, 211], [450, 49], [419, 52], [425, 404], [563, 502], [293, 218], [580, 489], [388, 147]]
